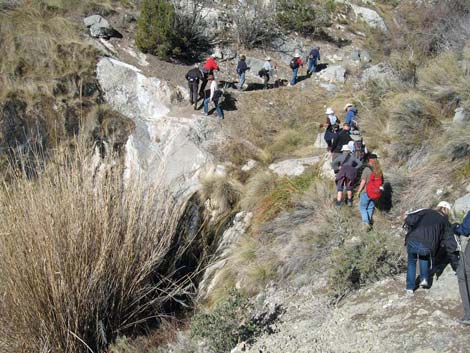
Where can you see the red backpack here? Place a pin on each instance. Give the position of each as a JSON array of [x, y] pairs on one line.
[[374, 186]]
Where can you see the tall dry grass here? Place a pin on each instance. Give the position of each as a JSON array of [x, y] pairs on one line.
[[83, 256]]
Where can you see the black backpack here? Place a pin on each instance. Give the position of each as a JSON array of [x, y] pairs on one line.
[[294, 64]]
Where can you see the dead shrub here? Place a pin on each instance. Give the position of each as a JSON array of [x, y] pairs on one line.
[[83, 257]]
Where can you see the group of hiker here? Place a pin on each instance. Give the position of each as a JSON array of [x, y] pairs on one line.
[[199, 76], [353, 165], [431, 240]]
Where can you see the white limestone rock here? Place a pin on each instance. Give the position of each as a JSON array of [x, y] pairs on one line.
[[293, 167]]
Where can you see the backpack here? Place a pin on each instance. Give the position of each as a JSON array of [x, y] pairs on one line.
[[262, 73], [373, 187], [294, 64], [359, 149]]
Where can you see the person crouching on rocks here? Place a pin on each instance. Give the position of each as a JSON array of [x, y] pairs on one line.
[[427, 229]]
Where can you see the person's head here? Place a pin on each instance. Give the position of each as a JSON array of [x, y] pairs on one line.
[[242, 57], [318, 48], [196, 66], [329, 111], [444, 208], [373, 161], [346, 126], [210, 77], [348, 106]]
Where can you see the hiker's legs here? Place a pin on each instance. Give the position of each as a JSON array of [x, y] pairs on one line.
[[242, 81], [370, 209], [265, 81], [193, 88], [463, 277], [219, 111], [206, 105], [411, 269], [294, 76], [312, 66], [203, 85], [364, 207]]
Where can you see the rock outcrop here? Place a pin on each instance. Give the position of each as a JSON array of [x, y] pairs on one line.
[[293, 167]]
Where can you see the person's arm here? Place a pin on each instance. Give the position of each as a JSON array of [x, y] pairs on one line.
[[213, 88], [361, 186], [337, 161], [357, 162]]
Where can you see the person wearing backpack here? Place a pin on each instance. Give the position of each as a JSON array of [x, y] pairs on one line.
[[313, 59], [266, 72], [427, 232], [295, 64], [213, 94], [193, 77], [351, 113], [463, 271], [342, 138], [370, 189], [242, 67], [345, 167], [208, 69], [346, 158]]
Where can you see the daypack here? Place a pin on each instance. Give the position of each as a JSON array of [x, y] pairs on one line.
[[294, 63], [374, 186], [359, 149], [262, 73]]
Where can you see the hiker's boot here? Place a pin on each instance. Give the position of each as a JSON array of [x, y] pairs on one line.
[[338, 203], [424, 284], [465, 322], [349, 202]]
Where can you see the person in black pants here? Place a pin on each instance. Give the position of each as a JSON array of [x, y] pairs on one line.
[[193, 77], [463, 271]]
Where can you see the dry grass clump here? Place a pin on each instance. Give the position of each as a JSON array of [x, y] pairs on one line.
[[222, 193], [83, 258]]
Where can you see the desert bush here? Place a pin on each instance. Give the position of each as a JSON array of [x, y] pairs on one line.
[[254, 24], [302, 16], [222, 192], [228, 324], [155, 27], [286, 142], [83, 256], [374, 257]]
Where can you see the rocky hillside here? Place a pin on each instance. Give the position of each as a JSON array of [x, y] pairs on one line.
[[253, 254]]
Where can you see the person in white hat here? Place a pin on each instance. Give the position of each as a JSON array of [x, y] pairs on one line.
[[295, 64], [267, 71], [427, 233], [331, 118]]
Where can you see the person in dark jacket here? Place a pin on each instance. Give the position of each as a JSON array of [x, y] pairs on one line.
[[342, 138], [193, 77], [242, 67], [463, 271], [313, 59], [426, 234]]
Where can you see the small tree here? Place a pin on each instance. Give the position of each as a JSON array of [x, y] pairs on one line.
[[155, 28], [302, 16]]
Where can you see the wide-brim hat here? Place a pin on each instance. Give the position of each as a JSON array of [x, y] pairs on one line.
[[445, 204], [268, 58], [345, 148], [348, 105], [297, 55], [355, 137], [329, 111]]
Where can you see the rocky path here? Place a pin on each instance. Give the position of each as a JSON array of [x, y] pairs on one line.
[[380, 318]]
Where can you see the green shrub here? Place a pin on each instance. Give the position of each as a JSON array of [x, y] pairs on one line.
[[302, 16], [155, 26], [370, 259], [227, 324]]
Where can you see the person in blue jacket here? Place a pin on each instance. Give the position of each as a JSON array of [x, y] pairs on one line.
[[350, 117], [313, 59], [463, 271]]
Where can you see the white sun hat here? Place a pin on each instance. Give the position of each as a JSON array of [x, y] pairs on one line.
[[329, 111]]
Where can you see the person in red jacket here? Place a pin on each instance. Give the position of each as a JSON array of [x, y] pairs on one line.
[[295, 64], [208, 69]]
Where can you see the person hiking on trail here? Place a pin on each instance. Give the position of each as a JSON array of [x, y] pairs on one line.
[[242, 67], [208, 69], [331, 118], [213, 94], [346, 167], [330, 135], [359, 149], [193, 77], [370, 189], [346, 158], [266, 72], [463, 270], [313, 59], [351, 113], [342, 138], [295, 64], [427, 229]]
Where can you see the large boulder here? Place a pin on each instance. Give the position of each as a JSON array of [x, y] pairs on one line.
[[293, 167], [333, 74], [377, 72], [461, 116], [255, 65], [462, 205], [371, 17], [100, 28]]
